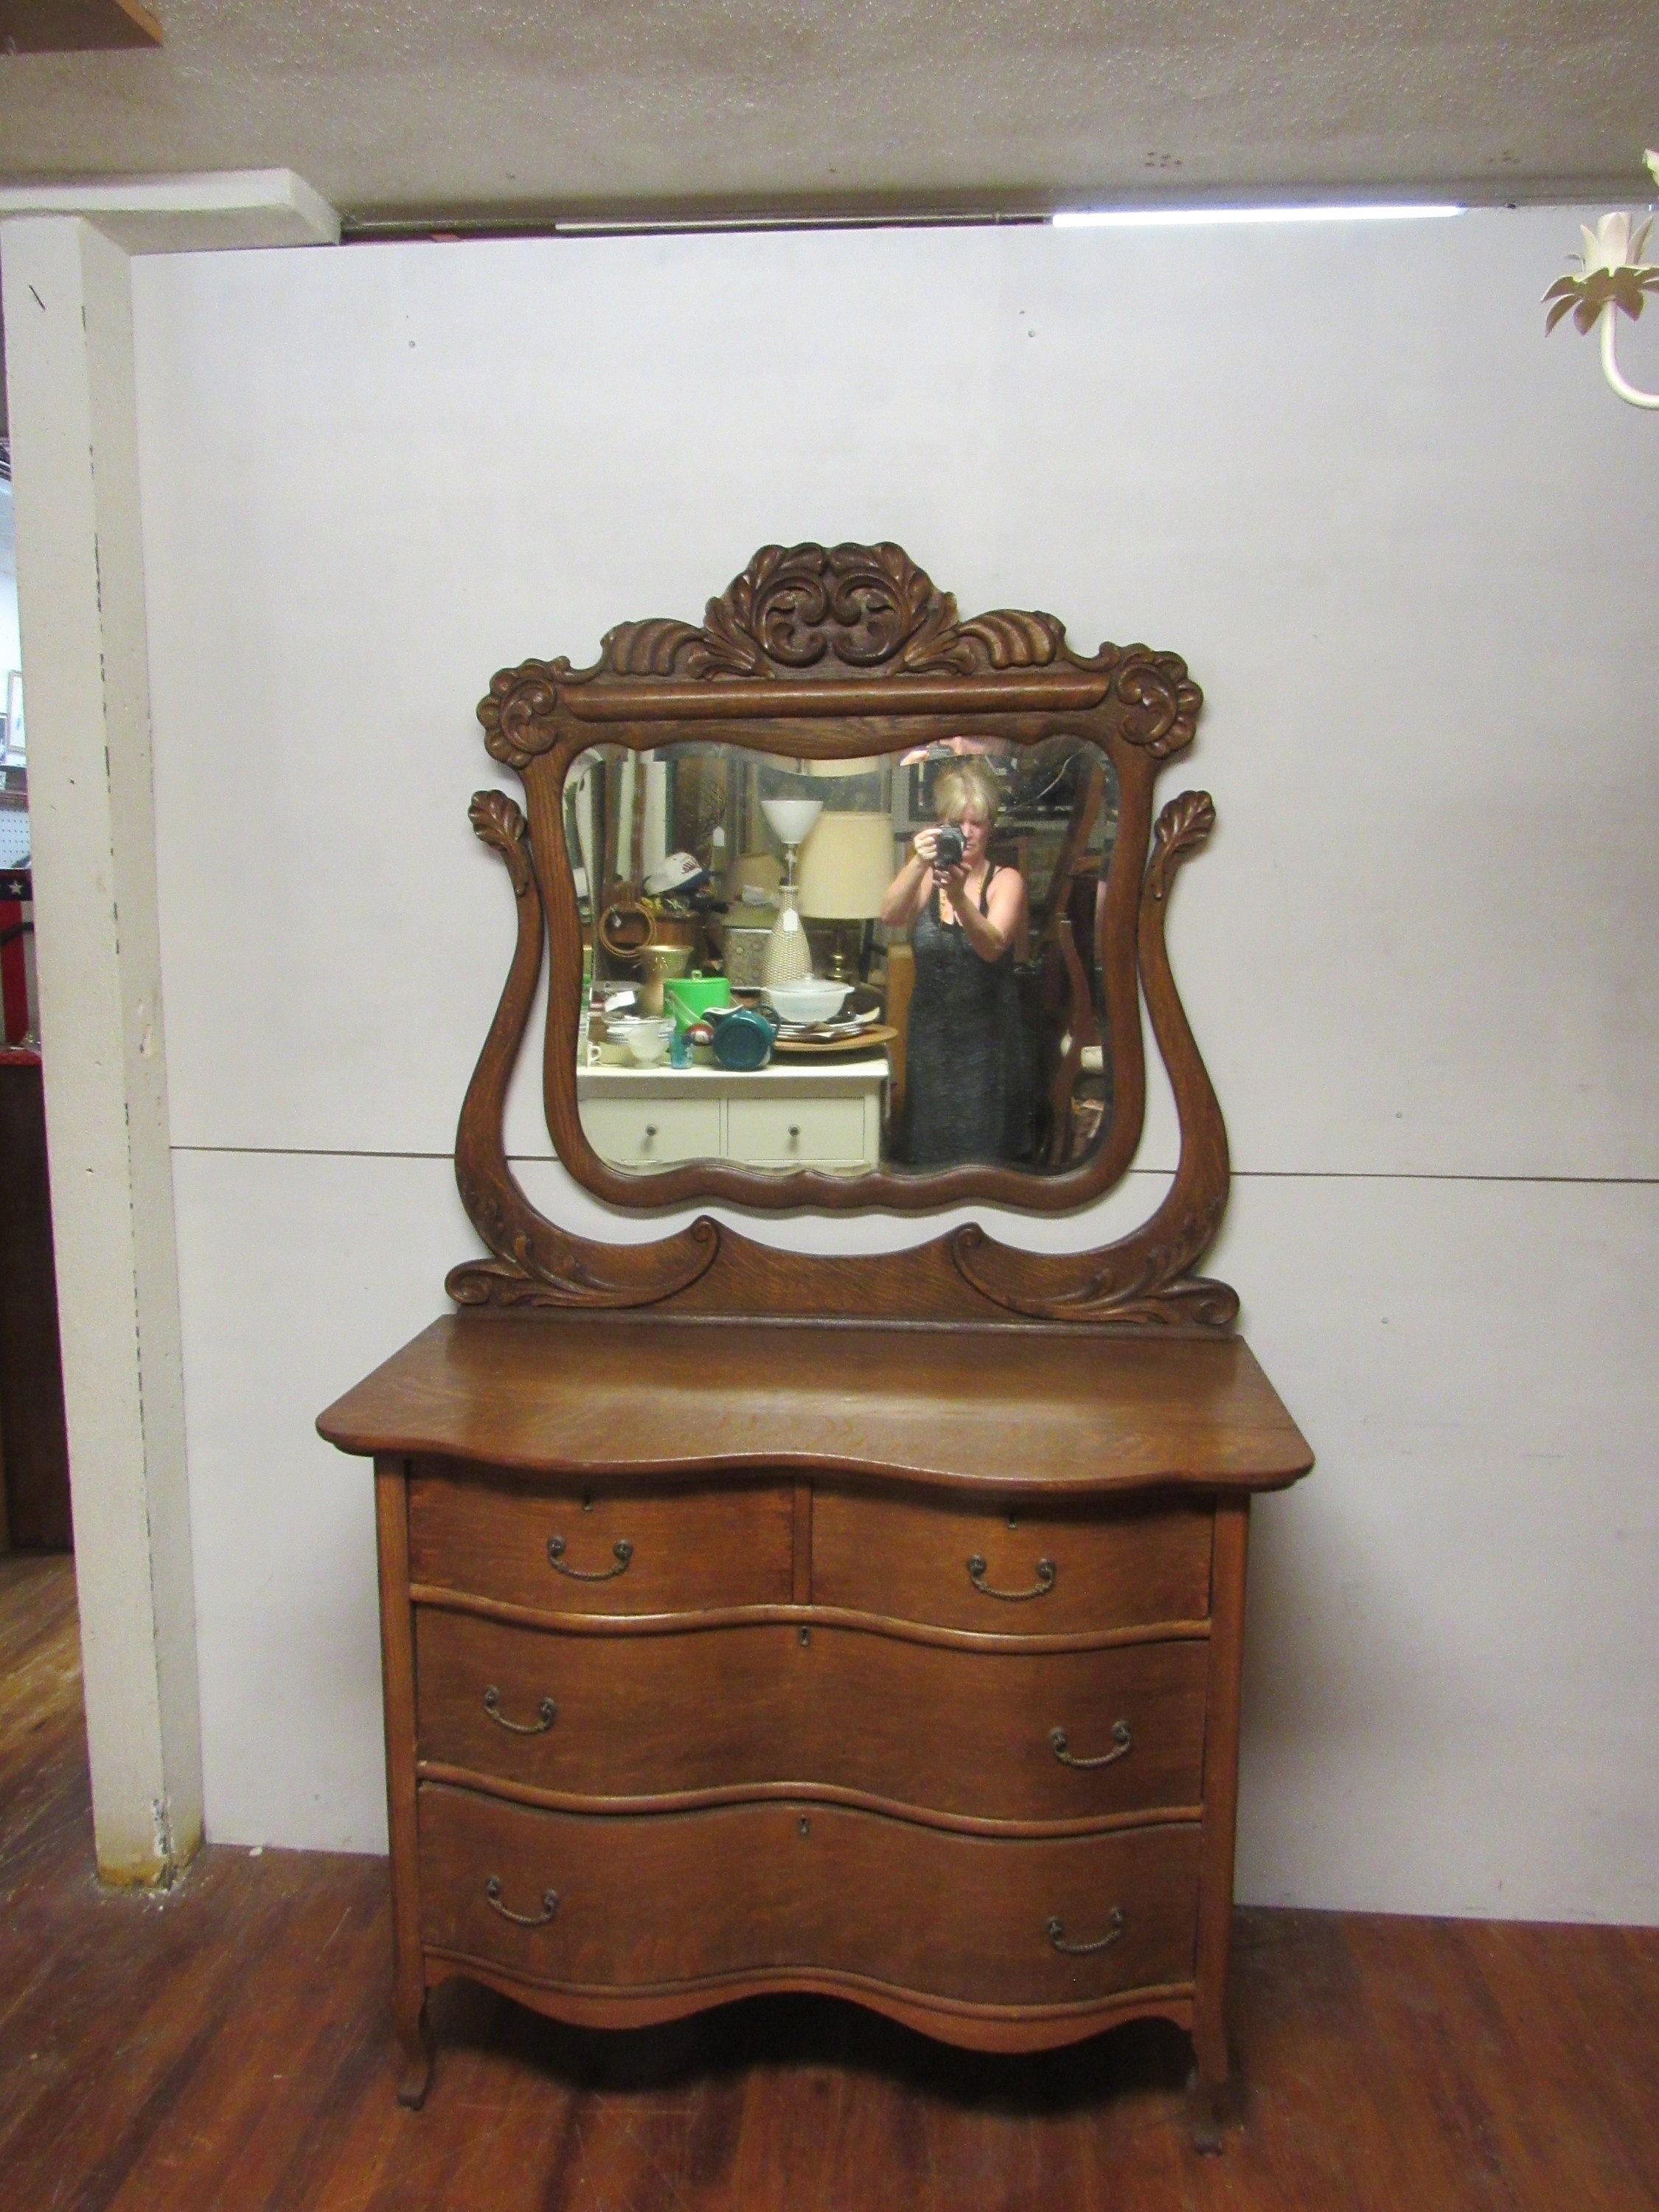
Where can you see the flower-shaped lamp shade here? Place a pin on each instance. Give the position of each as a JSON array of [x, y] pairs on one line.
[[1613, 280], [1613, 275]]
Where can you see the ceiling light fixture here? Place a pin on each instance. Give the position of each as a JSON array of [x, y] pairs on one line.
[[1613, 280], [1324, 211]]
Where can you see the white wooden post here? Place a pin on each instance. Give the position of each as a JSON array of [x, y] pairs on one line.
[[80, 590]]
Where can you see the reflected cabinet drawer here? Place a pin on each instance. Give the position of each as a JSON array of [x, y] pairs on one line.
[[1041, 1573], [578, 1902], [652, 1133], [1043, 1736], [817, 1132], [564, 1549]]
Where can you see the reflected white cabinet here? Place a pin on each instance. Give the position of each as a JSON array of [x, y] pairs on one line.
[[795, 1113]]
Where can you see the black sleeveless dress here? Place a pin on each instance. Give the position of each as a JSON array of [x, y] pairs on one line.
[[969, 1082]]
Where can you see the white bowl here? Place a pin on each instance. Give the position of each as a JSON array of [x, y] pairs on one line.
[[810, 999], [646, 1040]]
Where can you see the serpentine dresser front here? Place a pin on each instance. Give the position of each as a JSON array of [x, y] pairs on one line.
[[901, 1663]]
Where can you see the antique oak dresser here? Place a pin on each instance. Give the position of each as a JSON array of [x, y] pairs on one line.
[[757, 1619]]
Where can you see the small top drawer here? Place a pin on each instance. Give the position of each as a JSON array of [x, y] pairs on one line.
[[1042, 1572], [570, 1549]]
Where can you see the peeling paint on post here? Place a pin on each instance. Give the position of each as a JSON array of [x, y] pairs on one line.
[[81, 589]]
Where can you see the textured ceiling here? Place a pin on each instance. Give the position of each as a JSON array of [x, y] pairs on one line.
[[434, 107]]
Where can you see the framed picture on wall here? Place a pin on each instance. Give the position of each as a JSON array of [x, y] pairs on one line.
[[12, 730]]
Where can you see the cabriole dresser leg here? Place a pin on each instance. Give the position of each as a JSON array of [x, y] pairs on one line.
[[1205, 2090], [413, 2027]]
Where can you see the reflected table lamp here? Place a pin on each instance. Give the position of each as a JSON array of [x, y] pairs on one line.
[[845, 870], [788, 956]]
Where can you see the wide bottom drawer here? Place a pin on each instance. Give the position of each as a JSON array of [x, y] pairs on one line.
[[656, 1902]]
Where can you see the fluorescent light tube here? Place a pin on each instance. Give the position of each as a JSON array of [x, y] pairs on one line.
[[1170, 218]]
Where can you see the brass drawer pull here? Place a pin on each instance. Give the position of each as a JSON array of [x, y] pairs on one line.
[[622, 1551], [545, 1711], [1040, 1588], [1055, 1932], [549, 1907], [1122, 1742]]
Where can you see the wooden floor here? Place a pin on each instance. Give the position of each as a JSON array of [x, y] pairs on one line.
[[226, 2046]]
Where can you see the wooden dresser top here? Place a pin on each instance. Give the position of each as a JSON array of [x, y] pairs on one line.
[[1062, 1412]]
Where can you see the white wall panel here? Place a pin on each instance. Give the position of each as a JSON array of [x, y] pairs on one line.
[[1403, 543], [297, 1276], [1453, 1638]]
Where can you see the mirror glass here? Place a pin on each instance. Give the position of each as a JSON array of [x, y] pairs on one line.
[[786, 966]]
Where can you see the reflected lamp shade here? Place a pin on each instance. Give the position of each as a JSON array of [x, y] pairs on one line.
[[846, 865]]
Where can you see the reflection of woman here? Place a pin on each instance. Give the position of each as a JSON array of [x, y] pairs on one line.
[[968, 1076]]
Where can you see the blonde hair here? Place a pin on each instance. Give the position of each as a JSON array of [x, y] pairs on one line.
[[967, 789]]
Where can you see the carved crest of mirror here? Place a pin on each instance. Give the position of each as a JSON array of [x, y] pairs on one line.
[[774, 988]]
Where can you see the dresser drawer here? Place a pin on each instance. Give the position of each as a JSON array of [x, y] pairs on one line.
[[782, 1132], [652, 1133], [645, 1903], [1037, 1573], [628, 1551], [965, 1733]]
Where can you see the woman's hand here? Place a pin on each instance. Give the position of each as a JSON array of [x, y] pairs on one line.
[[907, 893]]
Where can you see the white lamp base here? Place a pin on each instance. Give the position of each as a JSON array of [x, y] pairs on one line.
[[788, 954]]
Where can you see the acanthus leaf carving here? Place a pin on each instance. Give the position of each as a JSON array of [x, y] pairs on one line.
[[837, 612], [499, 821], [1184, 824], [834, 610]]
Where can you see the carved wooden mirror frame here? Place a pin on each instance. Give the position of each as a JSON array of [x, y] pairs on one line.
[[840, 653]]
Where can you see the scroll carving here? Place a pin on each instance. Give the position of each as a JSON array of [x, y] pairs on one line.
[[537, 1264], [1162, 699], [1142, 1280], [517, 713], [807, 637], [833, 611]]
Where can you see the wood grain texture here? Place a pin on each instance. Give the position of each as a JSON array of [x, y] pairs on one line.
[[683, 1550], [640, 1720], [398, 1697], [820, 1888], [1024, 1411], [224, 2046], [1215, 1887], [1042, 1572], [537, 1262]]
